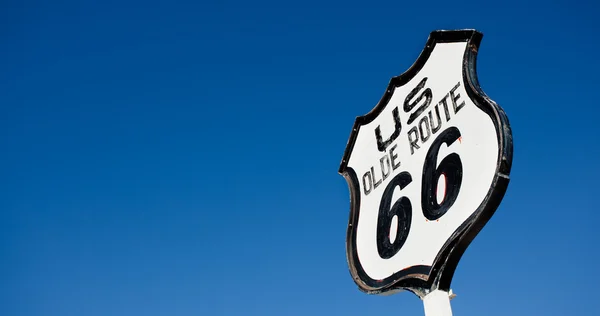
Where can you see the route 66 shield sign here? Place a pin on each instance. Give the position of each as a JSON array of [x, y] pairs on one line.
[[426, 168]]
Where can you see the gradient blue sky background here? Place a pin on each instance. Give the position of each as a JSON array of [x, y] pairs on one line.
[[171, 158]]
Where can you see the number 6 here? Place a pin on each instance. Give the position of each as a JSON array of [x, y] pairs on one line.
[[450, 167]]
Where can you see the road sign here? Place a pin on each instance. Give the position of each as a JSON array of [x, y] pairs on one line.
[[426, 168]]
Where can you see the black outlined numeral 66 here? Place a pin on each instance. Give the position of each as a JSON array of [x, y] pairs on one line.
[[450, 167]]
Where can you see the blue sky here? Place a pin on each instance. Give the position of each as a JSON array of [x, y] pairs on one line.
[[180, 158]]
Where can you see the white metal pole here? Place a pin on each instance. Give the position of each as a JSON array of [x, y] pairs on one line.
[[437, 303]]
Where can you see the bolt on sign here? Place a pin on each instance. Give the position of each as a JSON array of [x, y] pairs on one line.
[[426, 168]]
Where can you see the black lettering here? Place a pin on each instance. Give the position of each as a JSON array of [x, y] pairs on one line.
[[401, 209], [408, 106], [413, 141], [425, 120], [434, 128], [393, 157], [385, 174], [454, 98], [452, 169], [367, 186], [376, 183], [381, 144], [445, 104]]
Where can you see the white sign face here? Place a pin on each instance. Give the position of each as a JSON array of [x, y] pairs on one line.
[[427, 167]]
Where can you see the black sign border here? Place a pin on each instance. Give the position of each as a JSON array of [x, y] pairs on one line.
[[423, 279]]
